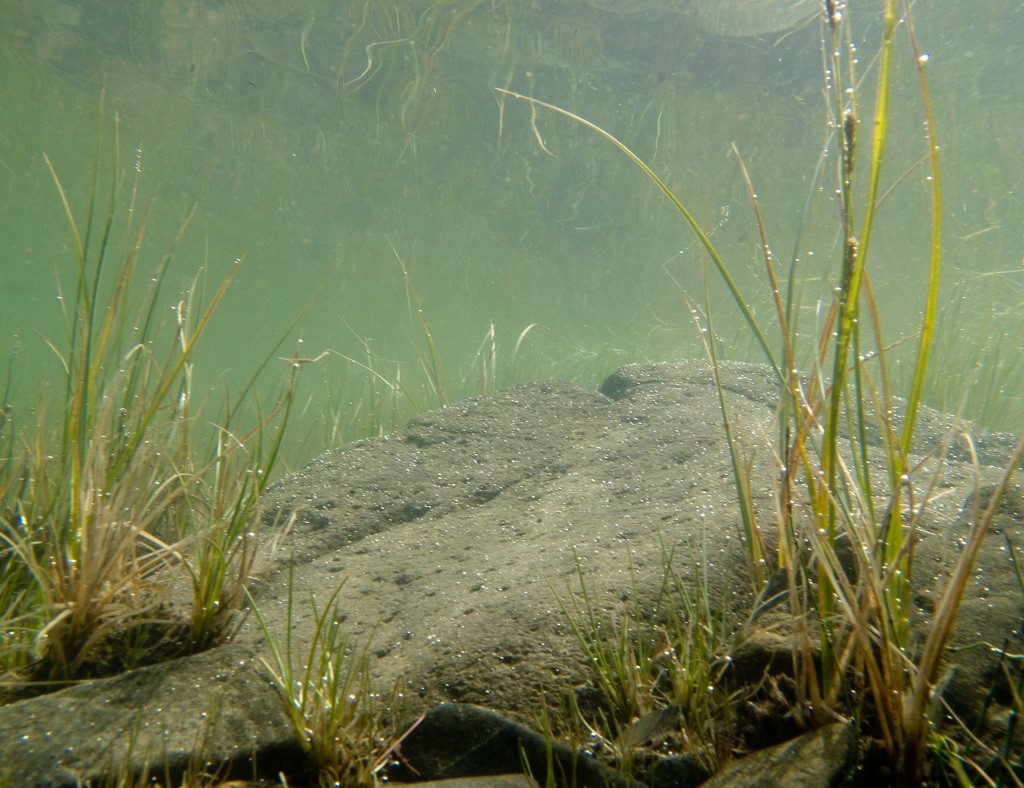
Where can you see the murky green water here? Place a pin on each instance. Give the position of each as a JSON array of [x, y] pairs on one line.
[[324, 139]]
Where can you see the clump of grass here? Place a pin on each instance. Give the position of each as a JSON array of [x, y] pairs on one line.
[[625, 659], [107, 491], [847, 520], [660, 675], [697, 651], [339, 720], [223, 522]]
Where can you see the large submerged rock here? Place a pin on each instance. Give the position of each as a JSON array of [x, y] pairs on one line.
[[456, 537]]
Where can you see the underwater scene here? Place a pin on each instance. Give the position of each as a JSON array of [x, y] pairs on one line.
[[425, 237], [641, 379]]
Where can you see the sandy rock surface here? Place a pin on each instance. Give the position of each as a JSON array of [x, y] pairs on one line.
[[456, 538]]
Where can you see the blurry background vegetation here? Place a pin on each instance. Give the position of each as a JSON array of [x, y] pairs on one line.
[[320, 137]]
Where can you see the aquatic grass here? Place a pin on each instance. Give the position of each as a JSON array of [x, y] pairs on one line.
[[698, 646], [366, 401], [373, 394], [740, 458], [835, 496], [990, 392], [544, 726], [224, 516], [494, 369], [704, 239], [338, 719], [427, 354], [655, 672], [106, 494], [1010, 758], [130, 765], [623, 659], [79, 505]]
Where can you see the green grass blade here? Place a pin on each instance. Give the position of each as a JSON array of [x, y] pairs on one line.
[[705, 241]]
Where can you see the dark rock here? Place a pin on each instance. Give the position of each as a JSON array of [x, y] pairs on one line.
[[680, 771], [814, 760], [460, 740], [215, 712], [497, 781]]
